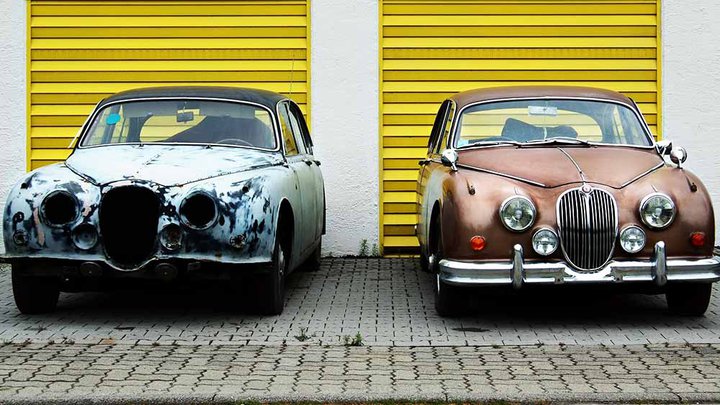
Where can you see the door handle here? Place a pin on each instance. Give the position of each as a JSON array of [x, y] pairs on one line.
[[317, 162], [308, 162]]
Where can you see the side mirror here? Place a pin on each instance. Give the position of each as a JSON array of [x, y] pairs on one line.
[[664, 147], [678, 156], [449, 158]]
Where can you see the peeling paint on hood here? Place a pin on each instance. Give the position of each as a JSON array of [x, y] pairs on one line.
[[167, 165]]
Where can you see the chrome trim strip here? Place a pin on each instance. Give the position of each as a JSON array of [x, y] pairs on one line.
[[95, 112], [643, 174], [577, 166], [509, 176], [516, 272]]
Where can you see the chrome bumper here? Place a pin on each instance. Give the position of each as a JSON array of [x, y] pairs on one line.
[[517, 272]]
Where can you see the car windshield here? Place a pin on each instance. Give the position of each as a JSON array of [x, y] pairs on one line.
[[185, 121], [550, 121]]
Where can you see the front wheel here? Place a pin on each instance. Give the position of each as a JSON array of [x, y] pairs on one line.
[[34, 295], [446, 298], [691, 299], [270, 287]]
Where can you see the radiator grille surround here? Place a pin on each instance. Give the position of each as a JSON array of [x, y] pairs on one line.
[[588, 227]]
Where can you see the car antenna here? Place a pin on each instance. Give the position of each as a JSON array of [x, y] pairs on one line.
[[292, 74]]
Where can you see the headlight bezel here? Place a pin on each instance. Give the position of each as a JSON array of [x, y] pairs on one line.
[[646, 201], [507, 202], [627, 228], [545, 229], [186, 222], [43, 206]]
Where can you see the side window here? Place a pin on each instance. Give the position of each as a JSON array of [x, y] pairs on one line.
[[296, 116], [445, 133], [287, 133], [437, 126], [296, 129]]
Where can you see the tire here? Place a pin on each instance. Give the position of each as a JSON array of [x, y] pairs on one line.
[[270, 287], [689, 299], [446, 296], [312, 263], [446, 299], [424, 265], [34, 295]]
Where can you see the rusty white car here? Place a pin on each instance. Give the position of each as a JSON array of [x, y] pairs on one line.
[[561, 185], [168, 183]]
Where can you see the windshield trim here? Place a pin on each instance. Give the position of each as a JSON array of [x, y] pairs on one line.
[[644, 125], [91, 119]]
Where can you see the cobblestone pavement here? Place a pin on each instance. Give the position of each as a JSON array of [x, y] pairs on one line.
[[146, 373], [182, 344], [388, 301]]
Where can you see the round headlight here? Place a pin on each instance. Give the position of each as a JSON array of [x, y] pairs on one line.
[[171, 237], [198, 210], [657, 210], [632, 239], [59, 208], [517, 213], [84, 236], [545, 242]]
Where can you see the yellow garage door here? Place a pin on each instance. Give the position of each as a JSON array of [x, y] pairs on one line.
[[431, 49], [82, 51]]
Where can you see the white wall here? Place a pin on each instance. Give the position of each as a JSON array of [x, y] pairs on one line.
[[12, 96], [691, 87], [344, 116]]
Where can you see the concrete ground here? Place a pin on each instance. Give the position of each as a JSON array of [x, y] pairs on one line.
[[183, 344]]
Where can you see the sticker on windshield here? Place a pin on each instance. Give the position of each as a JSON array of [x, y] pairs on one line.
[[542, 110], [112, 119]]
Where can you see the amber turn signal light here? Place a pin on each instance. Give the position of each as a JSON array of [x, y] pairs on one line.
[[697, 239], [477, 243]]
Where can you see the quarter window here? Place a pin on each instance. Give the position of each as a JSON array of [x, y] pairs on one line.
[[287, 133]]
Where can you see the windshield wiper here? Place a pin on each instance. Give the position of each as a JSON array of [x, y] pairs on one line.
[[490, 143], [559, 139]]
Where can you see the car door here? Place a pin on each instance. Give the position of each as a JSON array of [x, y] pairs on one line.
[[303, 135], [426, 168], [297, 160]]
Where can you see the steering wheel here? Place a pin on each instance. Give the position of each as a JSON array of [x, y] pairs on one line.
[[234, 141]]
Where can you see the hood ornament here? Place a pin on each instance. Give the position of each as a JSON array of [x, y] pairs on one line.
[[586, 189]]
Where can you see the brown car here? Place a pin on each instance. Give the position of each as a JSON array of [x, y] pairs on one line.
[[560, 185]]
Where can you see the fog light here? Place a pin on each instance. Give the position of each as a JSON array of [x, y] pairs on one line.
[[632, 239], [697, 239], [477, 243], [545, 242], [84, 236], [171, 237], [20, 237]]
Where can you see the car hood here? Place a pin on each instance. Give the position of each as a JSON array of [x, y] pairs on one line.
[[163, 164], [551, 166]]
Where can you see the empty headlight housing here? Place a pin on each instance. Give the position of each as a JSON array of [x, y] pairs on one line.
[[59, 208], [632, 239], [517, 213], [657, 211], [198, 210], [545, 241]]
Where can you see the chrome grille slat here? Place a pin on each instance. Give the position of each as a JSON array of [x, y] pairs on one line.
[[588, 227]]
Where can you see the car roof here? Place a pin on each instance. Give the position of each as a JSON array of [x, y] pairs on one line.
[[263, 97], [513, 92]]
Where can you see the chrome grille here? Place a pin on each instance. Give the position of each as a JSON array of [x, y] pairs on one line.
[[588, 227]]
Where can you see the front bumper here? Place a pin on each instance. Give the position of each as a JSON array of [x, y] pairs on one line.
[[658, 270]]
